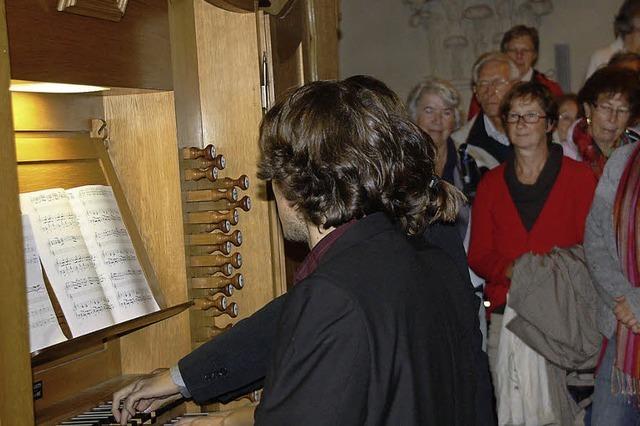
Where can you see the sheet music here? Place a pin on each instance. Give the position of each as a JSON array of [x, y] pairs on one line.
[[114, 256], [66, 260], [44, 329]]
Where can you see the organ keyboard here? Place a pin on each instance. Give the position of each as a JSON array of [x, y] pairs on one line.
[[101, 416]]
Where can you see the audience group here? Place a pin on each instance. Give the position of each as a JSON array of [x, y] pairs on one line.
[[552, 224]]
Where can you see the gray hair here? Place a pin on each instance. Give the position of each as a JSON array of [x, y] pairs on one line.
[[494, 57], [436, 86]]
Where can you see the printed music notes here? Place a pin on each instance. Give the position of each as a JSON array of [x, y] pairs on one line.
[[44, 329], [88, 256]]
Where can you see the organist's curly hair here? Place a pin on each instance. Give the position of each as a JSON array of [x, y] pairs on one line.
[[342, 150]]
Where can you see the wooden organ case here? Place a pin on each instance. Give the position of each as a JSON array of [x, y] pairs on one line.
[[183, 74]]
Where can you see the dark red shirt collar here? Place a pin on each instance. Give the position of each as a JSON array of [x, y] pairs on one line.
[[312, 260]]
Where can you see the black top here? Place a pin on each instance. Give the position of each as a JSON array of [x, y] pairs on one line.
[[451, 163], [530, 199], [478, 137], [235, 362], [379, 334]]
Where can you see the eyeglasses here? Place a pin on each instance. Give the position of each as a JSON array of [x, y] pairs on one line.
[[485, 85], [529, 117], [607, 111], [445, 112]]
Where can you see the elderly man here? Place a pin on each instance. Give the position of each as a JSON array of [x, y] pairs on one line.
[[522, 45], [485, 140], [380, 327]]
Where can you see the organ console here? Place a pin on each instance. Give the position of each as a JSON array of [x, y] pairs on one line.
[[232, 310], [223, 225], [212, 195], [215, 259], [204, 303], [217, 281], [243, 204], [193, 152], [170, 94], [100, 415], [220, 206], [215, 238], [227, 290], [218, 161], [225, 269], [211, 331], [213, 217], [211, 173], [226, 183], [224, 248]]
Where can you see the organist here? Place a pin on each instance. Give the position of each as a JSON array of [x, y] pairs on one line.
[[381, 325]]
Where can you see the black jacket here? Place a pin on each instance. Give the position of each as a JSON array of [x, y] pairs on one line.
[[479, 137], [236, 362]]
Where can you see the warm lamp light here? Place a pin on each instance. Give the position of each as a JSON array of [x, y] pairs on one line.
[[44, 87]]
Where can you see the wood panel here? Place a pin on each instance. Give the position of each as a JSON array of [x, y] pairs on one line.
[[47, 45], [35, 177], [55, 375], [305, 43], [50, 147], [277, 239], [80, 402], [185, 72], [323, 18], [58, 112], [287, 45], [294, 63], [143, 151], [16, 404], [236, 5], [229, 72]]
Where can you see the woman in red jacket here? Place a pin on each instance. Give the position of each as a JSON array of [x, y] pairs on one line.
[[536, 200]]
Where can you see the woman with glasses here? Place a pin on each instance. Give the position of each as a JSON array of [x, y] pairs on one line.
[[536, 200], [611, 101]]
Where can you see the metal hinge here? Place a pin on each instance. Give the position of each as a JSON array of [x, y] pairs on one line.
[[264, 84]]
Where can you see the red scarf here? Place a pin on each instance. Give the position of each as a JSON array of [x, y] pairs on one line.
[[588, 149]]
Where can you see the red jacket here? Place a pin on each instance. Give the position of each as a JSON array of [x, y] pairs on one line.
[[554, 88], [498, 236]]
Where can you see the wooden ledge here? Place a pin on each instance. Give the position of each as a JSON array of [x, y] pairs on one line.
[[76, 344]]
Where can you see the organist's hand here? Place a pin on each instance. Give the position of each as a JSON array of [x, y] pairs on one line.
[[145, 394]]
